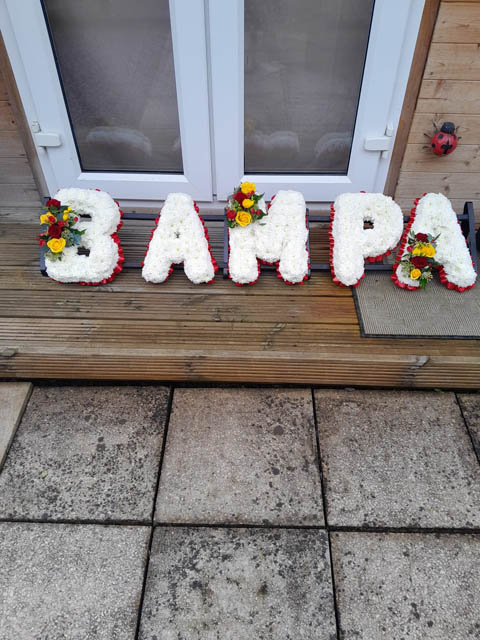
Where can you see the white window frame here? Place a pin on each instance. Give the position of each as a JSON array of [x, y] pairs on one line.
[[28, 45], [393, 35]]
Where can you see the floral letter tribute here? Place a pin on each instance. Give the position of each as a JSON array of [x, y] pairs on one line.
[[350, 243], [180, 236], [65, 233], [280, 237], [433, 239]]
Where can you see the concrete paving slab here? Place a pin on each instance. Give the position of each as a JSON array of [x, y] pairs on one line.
[[86, 453], [13, 400], [70, 581], [397, 459], [241, 456], [238, 584], [407, 586], [470, 403]]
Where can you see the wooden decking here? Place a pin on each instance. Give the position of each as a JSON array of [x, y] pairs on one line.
[[267, 333]]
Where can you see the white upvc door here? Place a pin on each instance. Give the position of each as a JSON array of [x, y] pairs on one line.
[[102, 150], [360, 49], [147, 97]]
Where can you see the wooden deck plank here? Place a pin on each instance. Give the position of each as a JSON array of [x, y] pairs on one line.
[[465, 159], [437, 96], [327, 368], [422, 123], [262, 336], [458, 22], [130, 280], [136, 306]]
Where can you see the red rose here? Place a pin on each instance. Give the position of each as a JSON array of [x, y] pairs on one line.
[[231, 215], [419, 261], [55, 230], [421, 237], [53, 203], [239, 197]]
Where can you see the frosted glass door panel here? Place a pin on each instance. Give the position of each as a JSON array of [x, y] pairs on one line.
[[304, 63], [115, 62]]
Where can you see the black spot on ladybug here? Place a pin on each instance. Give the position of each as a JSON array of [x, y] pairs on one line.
[[446, 147], [454, 137], [440, 136], [433, 145]]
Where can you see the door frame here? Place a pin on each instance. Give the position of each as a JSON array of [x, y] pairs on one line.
[[28, 45], [393, 35]]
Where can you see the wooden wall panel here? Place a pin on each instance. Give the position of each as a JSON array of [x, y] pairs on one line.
[[449, 91], [17, 183], [458, 22]]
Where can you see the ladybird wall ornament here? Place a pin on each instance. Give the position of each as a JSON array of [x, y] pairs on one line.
[[445, 140]]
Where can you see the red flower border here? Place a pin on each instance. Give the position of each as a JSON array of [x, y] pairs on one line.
[[118, 267], [207, 238], [277, 263], [332, 244], [441, 271]]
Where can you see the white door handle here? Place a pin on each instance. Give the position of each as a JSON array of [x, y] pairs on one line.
[[47, 139]]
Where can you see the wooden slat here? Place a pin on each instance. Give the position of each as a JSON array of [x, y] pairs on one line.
[[452, 61], [166, 306], [465, 159], [457, 96], [458, 22], [262, 336], [469, 127], [23, 126], [19, 194], [327, 368], [15, 171], [11, 145], [130, 281], [7, 119], [456, 185], [17, 214]]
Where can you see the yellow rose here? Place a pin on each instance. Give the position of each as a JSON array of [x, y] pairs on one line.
[[415, 274], [418, 251], [247, 203], [247, 187], [45, 218], [56, 245], [243, 218], [65, 216], [429, 251]]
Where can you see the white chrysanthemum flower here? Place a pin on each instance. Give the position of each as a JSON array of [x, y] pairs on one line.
[[434, 215], [352, 243], [281, 237], [104, 254], [179, 237]]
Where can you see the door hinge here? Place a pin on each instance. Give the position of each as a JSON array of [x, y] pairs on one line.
[[380, 143], [45, 138]]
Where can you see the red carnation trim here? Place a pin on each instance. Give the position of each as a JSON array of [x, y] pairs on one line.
[[231, 215], [207, 238], [441, 271], [119, 266], [53, 203]]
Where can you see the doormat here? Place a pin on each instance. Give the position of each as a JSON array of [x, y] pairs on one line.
[[387, 311]]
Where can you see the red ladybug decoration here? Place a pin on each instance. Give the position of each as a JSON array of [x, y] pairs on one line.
[[444, 141]]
